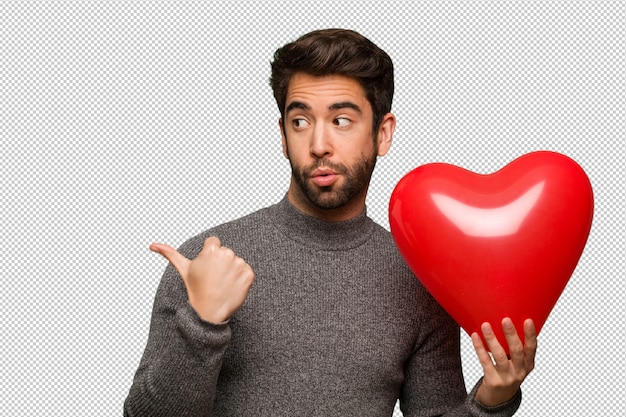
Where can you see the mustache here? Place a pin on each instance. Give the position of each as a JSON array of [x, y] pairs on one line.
[[325, 163]]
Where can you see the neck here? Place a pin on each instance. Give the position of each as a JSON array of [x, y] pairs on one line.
[[314, 232]]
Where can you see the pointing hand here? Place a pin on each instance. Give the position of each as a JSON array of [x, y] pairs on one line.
[[217, 281]]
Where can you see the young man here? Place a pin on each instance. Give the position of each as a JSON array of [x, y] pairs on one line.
[[335, 323]]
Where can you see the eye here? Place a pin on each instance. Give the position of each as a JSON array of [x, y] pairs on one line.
[[342, 122], [299, 123]]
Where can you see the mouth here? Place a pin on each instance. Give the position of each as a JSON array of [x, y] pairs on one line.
[[324, 177]]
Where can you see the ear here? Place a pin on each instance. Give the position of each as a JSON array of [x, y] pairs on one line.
[[283, 138], [385, 133]]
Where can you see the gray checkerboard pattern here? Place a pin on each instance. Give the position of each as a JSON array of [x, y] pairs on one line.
[[129, 122]]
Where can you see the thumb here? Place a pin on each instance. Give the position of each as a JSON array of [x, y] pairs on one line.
[[173, 256]]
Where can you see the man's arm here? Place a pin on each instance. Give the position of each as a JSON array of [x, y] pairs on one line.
[[433, 377], [180, 366]]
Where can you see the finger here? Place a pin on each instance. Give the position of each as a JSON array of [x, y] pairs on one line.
[[530, 334], [213, 247], [530, 344], [497, 351], [247, 273], [516, 348], [211, 242], [173, 256], [481, 353]]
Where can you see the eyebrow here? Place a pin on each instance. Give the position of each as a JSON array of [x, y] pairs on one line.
[[345, 105], [296, 105], [335, 106]]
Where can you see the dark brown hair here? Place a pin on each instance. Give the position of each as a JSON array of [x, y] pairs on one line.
[[336, 52]]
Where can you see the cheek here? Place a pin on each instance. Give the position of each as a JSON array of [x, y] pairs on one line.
[[351, 149], [295, 151], [292, 147]]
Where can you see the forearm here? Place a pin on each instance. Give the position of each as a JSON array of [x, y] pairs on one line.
[[178, 373], [434, 384], [182, 360]]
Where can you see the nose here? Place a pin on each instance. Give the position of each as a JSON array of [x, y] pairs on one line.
[[321, 145]]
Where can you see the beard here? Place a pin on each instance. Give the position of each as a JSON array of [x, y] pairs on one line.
[[356, 181]]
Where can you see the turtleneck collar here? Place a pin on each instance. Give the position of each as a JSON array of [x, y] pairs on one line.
[[313, 232]]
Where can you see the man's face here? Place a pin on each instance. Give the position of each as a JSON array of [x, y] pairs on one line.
[[329, 141]]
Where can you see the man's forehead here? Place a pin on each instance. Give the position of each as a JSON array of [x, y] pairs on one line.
[[341, 83], [305, 88]]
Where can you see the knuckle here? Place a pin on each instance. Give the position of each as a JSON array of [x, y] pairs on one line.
[[227, 252], [247, 273], [239, 262], [210, 245], [209, 250], [500, 357], [516, 350]]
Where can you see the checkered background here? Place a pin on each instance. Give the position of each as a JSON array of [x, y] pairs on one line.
[[126, 122]]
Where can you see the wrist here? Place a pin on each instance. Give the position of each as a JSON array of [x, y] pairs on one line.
[[494, 397], [207, 314]]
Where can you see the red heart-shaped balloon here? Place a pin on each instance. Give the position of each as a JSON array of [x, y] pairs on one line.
[[498, 245]]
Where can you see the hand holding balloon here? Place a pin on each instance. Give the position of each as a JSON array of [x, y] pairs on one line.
[[504, 374]]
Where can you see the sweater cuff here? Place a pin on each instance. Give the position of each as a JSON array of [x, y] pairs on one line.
[[200, 333], [506, 409]]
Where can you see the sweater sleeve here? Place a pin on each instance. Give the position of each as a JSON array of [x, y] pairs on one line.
[[434, 384], [181, 363]]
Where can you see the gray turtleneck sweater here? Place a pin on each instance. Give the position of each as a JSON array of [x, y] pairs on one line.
[[335, 324]]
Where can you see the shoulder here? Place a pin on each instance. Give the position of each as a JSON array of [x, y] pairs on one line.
[[384, 255], [383, 240]]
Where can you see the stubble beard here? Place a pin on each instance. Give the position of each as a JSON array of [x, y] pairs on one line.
[[356, 182]]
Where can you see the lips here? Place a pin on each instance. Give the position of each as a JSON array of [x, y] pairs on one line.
[[324, 177]]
